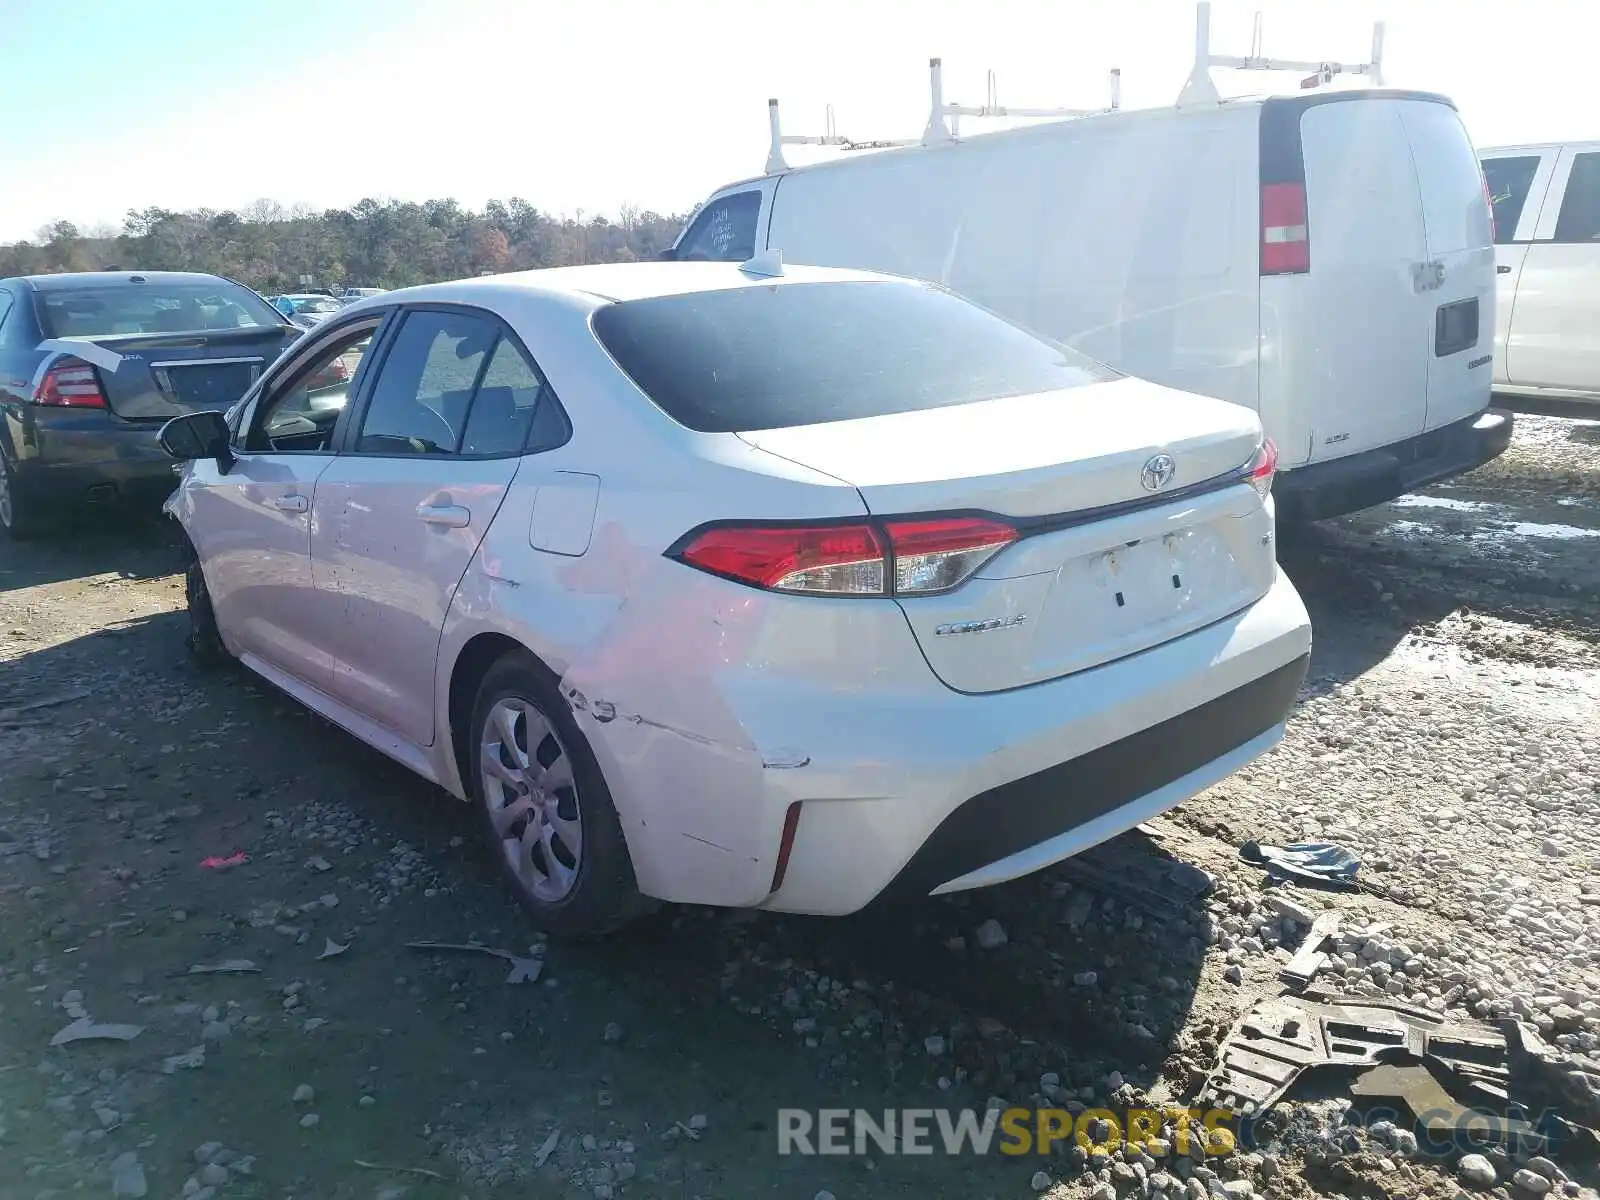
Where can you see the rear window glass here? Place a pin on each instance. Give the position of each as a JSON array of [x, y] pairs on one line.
[[805, 354], [152, 307]]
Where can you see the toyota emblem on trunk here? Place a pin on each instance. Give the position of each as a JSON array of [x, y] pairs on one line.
[[1158, 472]]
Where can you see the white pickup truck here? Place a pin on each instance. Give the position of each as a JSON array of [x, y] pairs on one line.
[[1546, 202]]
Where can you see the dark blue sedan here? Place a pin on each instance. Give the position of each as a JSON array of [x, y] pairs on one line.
[[92, 364]]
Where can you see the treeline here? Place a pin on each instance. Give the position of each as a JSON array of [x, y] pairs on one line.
[[373, 244]]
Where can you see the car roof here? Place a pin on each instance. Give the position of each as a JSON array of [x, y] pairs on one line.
[[67, 280], [626, 281]]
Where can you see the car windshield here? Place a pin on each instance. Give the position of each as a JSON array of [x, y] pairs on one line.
[[755, 358], [315, 304], [155, 306]]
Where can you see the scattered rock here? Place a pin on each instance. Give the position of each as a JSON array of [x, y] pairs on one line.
[[1040, 1182], [991, 935], [310, 1121], [127, 1176], [304, 1094], [1475, 1171], [1530, 1182]]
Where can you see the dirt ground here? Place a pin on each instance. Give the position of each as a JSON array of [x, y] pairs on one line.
[[1449, 733]]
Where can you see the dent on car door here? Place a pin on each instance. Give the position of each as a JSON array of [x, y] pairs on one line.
[[251, 523], [1554, 338], [402, 512]]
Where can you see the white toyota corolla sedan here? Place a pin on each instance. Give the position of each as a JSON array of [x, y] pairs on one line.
[[756, 586]]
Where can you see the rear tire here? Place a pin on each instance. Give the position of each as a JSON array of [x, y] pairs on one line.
[[545, 809], [203, 638], [17, 518]]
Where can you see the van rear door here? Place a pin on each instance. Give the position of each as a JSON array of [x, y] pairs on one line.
[[1346, 334], [1458, 278]]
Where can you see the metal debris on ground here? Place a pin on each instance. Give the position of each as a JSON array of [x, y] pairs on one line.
[[1321, 863], [231, 966], [84, 1029], [523, 970], [543, 1153], [1312, 955], [1403, 1053], [372, 1166], [332, 950], [214, 863], [1138, 870]]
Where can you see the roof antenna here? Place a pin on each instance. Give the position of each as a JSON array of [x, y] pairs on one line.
[[768, 264]]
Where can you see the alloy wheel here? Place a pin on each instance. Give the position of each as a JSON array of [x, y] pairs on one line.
[[531, 794]]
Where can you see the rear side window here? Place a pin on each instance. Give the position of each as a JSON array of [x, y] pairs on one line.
[[1508, 180], [770, 357], [725, 231], [154, 306], [1580, 207], [419, 403]]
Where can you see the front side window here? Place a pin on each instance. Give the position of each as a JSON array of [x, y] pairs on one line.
[[1508, 180], [769, 357], [725, 231], [1580, 207], [419, 402], [154, 306], [299, 415]]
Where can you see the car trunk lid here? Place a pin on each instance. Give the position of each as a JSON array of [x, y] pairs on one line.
[[1134, 526], [158, 376]]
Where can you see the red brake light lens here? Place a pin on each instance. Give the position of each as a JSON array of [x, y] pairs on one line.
[[70, 384], [1285, 234], [902, 558], [839, 560], [1262, 467]]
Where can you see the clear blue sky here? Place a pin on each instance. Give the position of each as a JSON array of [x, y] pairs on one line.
[[107, 105]]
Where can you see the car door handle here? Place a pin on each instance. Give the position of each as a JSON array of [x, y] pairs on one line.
[[291, 503], [452, 516], [1502, 269]]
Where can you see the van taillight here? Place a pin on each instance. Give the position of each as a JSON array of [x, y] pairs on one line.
[[1285, 236], [70, 383]]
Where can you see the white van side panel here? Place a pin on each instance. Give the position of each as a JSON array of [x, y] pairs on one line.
[[1132, 240], [1146, 249], [1344, 347]]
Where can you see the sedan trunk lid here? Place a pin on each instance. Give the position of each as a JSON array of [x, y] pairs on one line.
[[1136, 526]]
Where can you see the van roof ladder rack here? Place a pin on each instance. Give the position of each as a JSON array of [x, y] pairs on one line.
[[939, 131], [1201, 90], [829, 137]]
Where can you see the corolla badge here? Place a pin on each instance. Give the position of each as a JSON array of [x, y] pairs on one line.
[[1158, 472]]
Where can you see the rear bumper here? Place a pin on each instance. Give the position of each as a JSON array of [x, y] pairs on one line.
[[905, 791], [1346, 485], [94, 461]]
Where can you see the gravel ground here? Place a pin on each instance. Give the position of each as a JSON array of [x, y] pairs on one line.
[[1448, 734]]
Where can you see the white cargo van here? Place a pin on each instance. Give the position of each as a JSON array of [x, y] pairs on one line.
[[1325, 259], [1547, 245]]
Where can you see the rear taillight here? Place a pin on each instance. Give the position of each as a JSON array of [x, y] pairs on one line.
[[1285, 234], [70, 384], [1262, 467], [897, 558]]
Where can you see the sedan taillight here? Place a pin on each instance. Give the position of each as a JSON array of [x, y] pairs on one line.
[[70, 383], [907, 557], [1258, 474]]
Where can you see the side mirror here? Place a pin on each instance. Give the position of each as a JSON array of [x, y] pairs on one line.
[[197, 435]]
